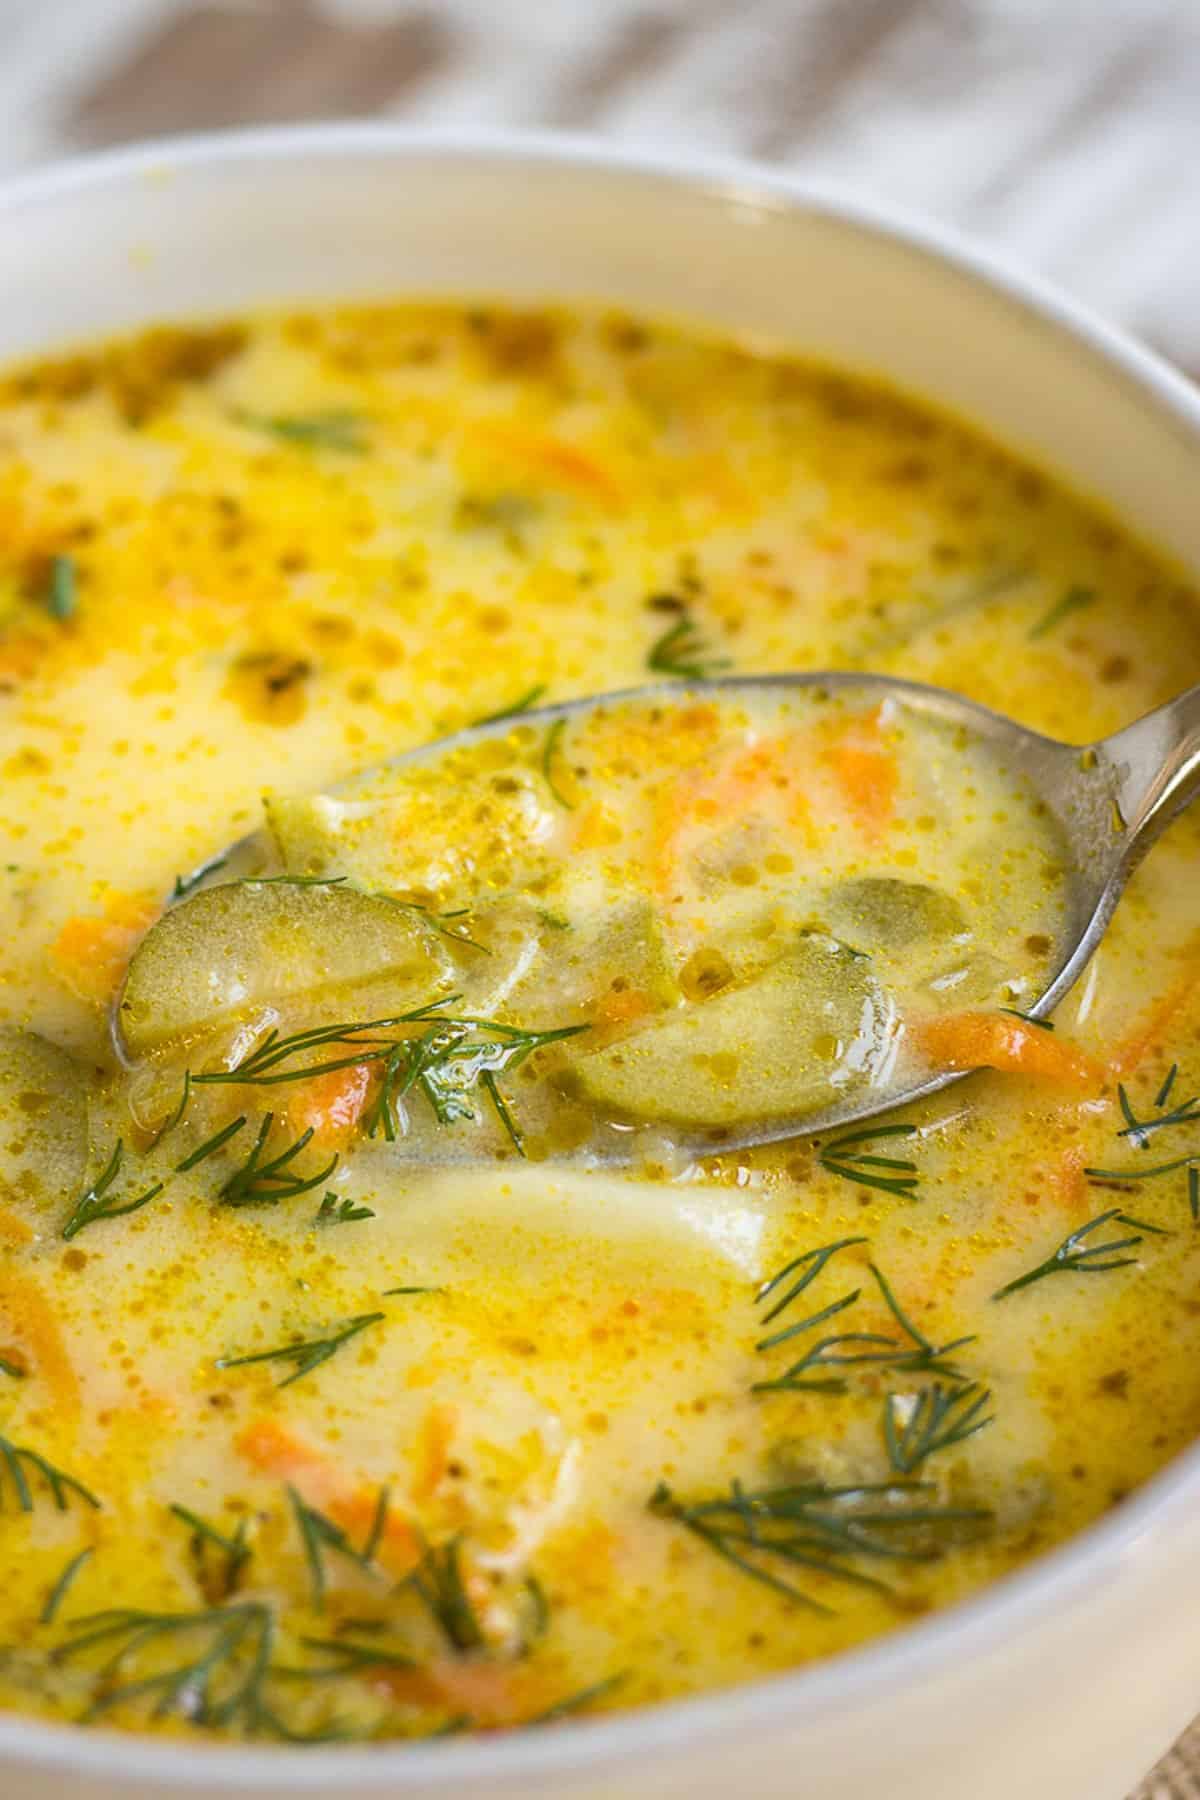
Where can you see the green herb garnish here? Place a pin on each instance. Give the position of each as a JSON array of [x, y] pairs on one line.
[[59, 1591], [825, 1529], [890, 1174], [235, 1549], [550, 750], [307, 1355], [184, 884], [682, 653], [812, 1262], [264, 1183], [1138, 1131], [210, 1145], [1072, 601], [96, 1204], [916, 1426], [527, 699], [335, 1211], [580, 1701], [16, 1458], [1075, 1256], [438, 1582], [319, 1534], [341, 431]]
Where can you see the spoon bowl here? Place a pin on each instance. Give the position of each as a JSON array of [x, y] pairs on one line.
[[1108, 802]]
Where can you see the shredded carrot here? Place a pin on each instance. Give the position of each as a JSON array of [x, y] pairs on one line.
[[32, 1323], [433, 1451], [767, 779], [92, 953], [1148, 1033], [331, 1105], [561, 464], [866, 772], [274, 1449], [981, 1040]]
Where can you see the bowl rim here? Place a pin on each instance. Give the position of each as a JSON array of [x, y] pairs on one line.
[[911, 1655]]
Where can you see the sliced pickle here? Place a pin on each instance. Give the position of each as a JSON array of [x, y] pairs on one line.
[[230, 950], [809, 1029], [43, 1118], [884, 913], [597, 965]]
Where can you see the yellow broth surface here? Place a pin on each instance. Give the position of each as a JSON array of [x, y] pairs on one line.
[[344, 1393]]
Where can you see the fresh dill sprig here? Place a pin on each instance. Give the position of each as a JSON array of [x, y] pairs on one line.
[[1075, 1256], [683, 654], [580, 1701], [890, 1174], [261, 1065], [522, 705], [176, 1117], [335, 1211], [812, 1262], [14, 1369], [184, 884], [437, 1581], [218, 1677], [922, 1357], [550, 750], [264, 1183], [916, 1426], [307, 1355], [827, 1530], [334, 430], [234, 1549], [62, 1586], [1138, 1131], [436, 922], [410, 1290], [808, 1375], [817, 1318], [319, 1534], [96, 1203], [62, 588], [1072, 601], [211, 1145], [349, 1658], [16, 1458]]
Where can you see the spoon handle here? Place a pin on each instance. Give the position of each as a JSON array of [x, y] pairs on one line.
[[1157, 763]]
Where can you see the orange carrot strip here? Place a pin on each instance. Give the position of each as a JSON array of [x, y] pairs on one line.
[[32, 1323], [433, 1451], [564, 465], [331, 1105], [92, 953], [1150, 1029], [274, 1449], [980, 1040], [866, 772]]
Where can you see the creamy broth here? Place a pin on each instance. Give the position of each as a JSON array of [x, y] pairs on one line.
[[347, 1390]]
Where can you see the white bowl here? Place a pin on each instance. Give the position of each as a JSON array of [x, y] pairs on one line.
[[1070, 1678]]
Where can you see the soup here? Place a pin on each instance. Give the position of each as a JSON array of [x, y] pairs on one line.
[[388, 1347]]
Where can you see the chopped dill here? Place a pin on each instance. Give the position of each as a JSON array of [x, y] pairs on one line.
[[812, 1262], [62, 1586], [176, 1117], [924, 1357], [1138, 1131], [917, 1426], [234, 1549], [1074, 600], [335, 430], [335, 1211], [306, 1355], [96, 1202], [521, 705], [16, 1458], [817, 1318], [62, 588], [580, 1701], [349, 1658], [410, 1290], [8, 1367], [438, 1583], [210, 1145], [319, 1534], [550, 751], [264, 1183], [890, 1174], [824, 1529], [1075, 1255], [682, 653]]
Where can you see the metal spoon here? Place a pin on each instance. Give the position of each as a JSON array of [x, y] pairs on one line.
[[1110, 799]]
